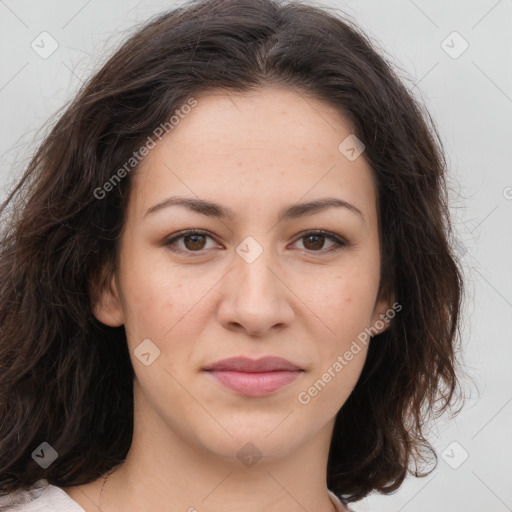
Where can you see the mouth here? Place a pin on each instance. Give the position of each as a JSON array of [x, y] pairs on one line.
[[251, 377]]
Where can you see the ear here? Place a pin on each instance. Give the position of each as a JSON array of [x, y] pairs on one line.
[[105, 301], [383, 313]]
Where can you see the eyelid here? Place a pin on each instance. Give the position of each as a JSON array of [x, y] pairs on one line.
[[339, 241]]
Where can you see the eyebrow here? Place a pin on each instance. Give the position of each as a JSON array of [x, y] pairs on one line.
[[293, 211]]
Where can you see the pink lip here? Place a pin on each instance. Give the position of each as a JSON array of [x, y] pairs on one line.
[[254, 377]]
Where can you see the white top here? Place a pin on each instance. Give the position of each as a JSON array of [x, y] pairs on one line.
[[44, 497], [41, 497]]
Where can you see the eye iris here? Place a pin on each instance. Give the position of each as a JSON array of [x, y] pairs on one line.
[[317, 245], [195, 242]]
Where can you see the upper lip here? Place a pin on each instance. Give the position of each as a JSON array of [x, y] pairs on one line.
[[245, 364]]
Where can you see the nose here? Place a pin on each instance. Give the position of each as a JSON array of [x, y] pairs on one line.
[[255, 296]]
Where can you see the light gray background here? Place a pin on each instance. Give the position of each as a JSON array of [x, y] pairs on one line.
[[470, 98]]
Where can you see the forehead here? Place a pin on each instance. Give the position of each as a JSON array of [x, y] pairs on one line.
[[264, 147]]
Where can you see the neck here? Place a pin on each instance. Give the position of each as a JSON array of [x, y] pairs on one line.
[[163, 471]]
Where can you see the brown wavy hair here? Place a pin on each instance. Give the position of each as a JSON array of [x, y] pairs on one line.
[[67, 379]]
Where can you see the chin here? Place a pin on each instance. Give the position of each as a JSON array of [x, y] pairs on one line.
[[270, 440]]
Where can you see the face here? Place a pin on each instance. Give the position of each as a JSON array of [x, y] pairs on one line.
[[258, 279]]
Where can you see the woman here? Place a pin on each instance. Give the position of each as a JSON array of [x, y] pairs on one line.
[[226, 282]]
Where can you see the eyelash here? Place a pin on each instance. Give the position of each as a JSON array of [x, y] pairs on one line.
[[340, 243]]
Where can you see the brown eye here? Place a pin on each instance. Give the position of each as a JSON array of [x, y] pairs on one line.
[[188, 242], [314, 241]]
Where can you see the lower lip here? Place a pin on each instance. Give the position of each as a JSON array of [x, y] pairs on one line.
[[255, 384]]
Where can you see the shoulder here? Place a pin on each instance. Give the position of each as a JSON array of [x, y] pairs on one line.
[[41, 497]]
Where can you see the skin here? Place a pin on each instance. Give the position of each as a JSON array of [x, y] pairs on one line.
[[297, 300]]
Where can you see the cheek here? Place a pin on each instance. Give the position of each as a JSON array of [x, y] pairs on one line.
[[350, 298], [151, 295], [342, 352], [164, 303]]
